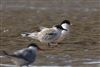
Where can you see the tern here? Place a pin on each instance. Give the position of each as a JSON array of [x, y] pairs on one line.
[[25, 56], [51, 35]]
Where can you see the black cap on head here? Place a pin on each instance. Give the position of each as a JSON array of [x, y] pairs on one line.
[[66, 21], [59, 27], [34, 45]]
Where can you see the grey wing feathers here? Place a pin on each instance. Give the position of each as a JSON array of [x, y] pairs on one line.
[[27, 55], [50, 36], [53, 34]]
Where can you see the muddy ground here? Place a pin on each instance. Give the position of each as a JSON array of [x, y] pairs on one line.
[[81, 47]]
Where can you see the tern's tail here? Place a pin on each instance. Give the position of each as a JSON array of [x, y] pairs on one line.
[[8, 55], [25, 34], [5, 53], [31, 35]]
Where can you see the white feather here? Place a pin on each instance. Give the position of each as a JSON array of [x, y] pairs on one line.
[[64, 33]]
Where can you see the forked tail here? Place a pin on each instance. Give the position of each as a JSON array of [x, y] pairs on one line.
[[31, 35]]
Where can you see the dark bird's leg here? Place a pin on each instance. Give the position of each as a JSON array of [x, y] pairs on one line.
[[49, 45], [55, 44], [52, 45]]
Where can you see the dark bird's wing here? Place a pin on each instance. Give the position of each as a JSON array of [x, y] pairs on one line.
[[26, 54]]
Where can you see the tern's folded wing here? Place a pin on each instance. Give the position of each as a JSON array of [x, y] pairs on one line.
[[26, 54]]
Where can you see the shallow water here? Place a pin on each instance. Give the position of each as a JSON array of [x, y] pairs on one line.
[[67, 63], [80, 49], [8, 65]]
